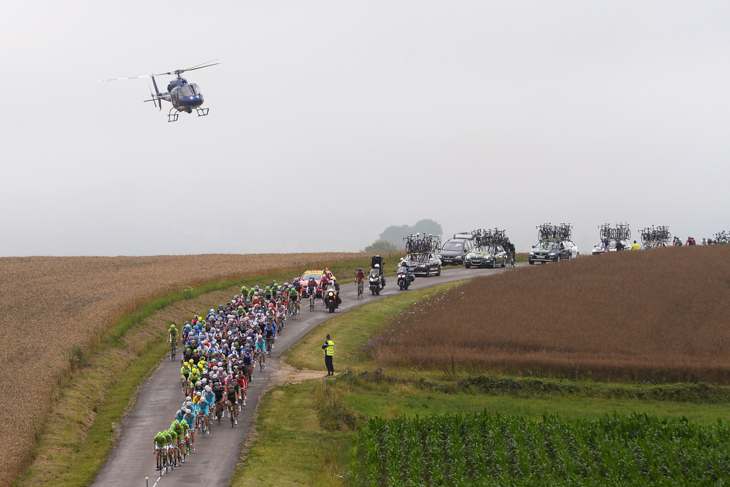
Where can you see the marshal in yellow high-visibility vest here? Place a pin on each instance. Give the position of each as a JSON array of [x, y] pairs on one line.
[[329, 352]]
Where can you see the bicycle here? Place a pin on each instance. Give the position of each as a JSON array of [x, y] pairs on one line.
[[218, 412], [312, 297], [360, 288], [231, 414], [173, 350], [262, 365]]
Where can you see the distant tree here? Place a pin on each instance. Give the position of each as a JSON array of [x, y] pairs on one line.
[[395, 234], [382, 247], [427, 227]]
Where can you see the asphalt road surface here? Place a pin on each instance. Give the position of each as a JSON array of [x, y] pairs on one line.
[[132, 463]]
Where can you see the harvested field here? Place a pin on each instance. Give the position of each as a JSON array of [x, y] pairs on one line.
[[54, 307], [657, 316]]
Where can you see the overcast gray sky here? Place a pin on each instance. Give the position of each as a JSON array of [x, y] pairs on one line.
[[331, 120]]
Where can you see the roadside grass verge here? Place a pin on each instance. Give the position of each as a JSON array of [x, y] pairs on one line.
[[351, 331], [90, 402], [291, 447]]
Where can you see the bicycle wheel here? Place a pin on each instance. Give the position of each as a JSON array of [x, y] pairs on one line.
[[230, 413]]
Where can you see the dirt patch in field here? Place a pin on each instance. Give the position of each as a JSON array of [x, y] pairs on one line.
[[289, 375]]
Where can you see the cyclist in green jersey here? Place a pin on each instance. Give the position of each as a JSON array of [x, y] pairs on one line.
[[160, 442], [169, 442], [177, 441], [172, 332]]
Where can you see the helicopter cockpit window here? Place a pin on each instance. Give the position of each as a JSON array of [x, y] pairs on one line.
[[189, 90]]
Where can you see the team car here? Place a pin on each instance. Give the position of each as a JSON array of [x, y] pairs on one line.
[[486, 257], [600, 249], [548, 251], [455, 249], [318, 275], [424, 263]]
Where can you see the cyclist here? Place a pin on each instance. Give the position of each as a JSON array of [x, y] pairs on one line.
[[186, 436], [169, 448], [311, 287], [260, 350], [177, 429], [231, 396], [218, 392], [172, 336], [270, 336], [247, 362], [325, 280], [293, 300], [160, 445], [207, 400], [241, 386]]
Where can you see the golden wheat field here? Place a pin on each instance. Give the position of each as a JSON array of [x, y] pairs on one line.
[[52, 304], [659, 315]]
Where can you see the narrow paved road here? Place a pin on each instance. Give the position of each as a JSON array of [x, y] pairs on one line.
[[131, 462]]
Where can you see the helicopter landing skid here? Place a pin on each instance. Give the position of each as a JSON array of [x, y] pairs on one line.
[[172, 115], [202, 112]]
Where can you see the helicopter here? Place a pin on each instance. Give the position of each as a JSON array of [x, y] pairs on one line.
[[183, 95]]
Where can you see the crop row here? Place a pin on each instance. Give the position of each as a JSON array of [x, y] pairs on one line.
[[486, 449]]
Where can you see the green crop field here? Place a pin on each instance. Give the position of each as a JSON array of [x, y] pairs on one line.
[[486, 449]]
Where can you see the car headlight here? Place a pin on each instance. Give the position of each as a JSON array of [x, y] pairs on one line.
[[532, 254]]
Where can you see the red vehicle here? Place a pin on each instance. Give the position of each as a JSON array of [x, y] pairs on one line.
[[318, 276]]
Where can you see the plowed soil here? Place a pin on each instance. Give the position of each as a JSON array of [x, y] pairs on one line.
[[656, 316]]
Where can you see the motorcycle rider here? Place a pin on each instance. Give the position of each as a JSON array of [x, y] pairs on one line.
[[404, 268], [380, 272]]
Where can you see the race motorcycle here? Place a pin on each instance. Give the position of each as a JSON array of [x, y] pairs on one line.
[[331, 300], [375, 281], [404, 278]]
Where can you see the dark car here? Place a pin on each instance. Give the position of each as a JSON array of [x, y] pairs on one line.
[[455, 249], [487, 257], [547, 251], [424, 264]]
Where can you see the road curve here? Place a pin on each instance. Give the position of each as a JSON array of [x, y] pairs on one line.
[[131, 462]]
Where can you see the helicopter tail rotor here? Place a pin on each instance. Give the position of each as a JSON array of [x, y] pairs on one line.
[[157, 93], [152, 96]]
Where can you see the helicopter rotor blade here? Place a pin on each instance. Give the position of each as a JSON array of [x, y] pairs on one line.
[[129, 77], [206, 64]]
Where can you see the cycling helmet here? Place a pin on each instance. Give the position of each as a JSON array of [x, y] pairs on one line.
[[198, 393], [377, 266], [172, 325], [178, 412], [212, 310], [187, 411], [208, 389]]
